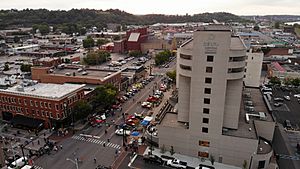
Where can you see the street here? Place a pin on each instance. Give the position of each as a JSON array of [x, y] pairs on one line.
[[104, 147]]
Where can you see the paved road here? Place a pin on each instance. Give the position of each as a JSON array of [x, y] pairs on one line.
[[86, 149]]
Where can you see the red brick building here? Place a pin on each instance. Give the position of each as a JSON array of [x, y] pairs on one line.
[[133, 41], [71, 75], [39, 105]]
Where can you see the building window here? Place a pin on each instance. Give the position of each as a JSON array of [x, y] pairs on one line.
[[204, 130], [31, 103], [56, 107], [188, 57], [50, 114], [204, 143], [203, 154], [261, 164], [207, 90], [209, 69], [209, 58], [42, 113], [206, 110], [41, 104], [19, 100], [36, 104], [205, 120], [208, 80], [206, 101], [37, 112], [25, 102], [237, 59], [46, 104], [185, 67], [236, 70], [57, 116], [49, 105]]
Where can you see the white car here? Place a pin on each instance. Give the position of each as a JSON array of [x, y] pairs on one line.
[[287, 97], [120, 132], [146, 105], [176, 163], [297, 95]]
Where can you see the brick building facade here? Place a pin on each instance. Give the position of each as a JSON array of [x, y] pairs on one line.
[[49, 104]]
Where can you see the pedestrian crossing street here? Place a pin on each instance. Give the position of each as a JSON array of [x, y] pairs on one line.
[[96, 141]]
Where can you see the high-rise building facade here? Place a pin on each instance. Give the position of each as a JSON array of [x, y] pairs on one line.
[[210, 72]]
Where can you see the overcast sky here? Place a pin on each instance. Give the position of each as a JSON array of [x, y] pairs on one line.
[[239, 7]]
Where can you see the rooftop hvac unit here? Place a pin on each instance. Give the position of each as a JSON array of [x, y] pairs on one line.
[[20, 88]]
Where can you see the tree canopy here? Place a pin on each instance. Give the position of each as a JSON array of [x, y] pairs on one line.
[[96, 58], [162, 57], [99, 18], [88, 42], [135, 53], [26, 67], [82, 109], [172, 75], [104, 96]]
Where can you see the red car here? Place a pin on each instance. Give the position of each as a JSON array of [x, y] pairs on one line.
[[152, 99]]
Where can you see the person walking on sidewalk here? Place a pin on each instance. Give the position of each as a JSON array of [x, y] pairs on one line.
[[95, 160]]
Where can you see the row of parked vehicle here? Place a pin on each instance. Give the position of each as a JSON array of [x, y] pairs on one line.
[[171, 162], [134, 89]]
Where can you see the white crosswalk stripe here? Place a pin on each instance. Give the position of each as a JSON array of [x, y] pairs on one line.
[[96, 141], [37, 167]]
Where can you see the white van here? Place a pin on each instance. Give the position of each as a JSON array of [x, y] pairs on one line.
[[18, 163]]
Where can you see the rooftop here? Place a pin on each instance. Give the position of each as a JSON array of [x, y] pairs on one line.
[[52, 91], [91, 73], [247, 129], [170, 120], [237, 44]]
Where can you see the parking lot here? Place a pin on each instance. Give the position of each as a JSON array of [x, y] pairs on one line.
[[290, 110]]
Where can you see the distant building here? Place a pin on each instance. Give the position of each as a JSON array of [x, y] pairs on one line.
[[38, 105]]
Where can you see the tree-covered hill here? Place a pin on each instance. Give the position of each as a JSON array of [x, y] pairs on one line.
[[91, 17]]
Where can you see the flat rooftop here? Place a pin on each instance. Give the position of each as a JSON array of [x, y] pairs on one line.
[[94, 73], [47, 90], [170, 120], [244, 126]]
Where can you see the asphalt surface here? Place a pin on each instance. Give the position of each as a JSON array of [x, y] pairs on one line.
[[86, 149], [284, 143]]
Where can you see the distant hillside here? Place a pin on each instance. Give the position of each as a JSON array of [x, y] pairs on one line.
[[89, 17], [282, 18]]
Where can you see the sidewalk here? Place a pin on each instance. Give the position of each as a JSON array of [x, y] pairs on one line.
[[191, 161]]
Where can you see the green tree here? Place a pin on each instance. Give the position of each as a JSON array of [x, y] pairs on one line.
[[295, 82], [82, 109], [212, 159], [88, 42], [277, 25], [102, 42], [104, 96], [256, 28], [6, 67], [26, 67], [275, 81], [162, 57], [172, 152], [135, 53], [96, 58], [245, 164], [43, 28], [172, 75]]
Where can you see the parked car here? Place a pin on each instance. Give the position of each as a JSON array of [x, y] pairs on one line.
[[278, 104], [297, 95], [121, 131], [287, 98], [166, 158], [176, 163], [146, 105], [278, 99], [153, 159]]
